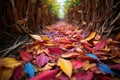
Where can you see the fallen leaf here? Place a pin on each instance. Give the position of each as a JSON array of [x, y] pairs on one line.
[[45, 75], [106, 49], [66, 66], [84, 42], [55, 50], [17, 74], [91, 36], [70, 55], [45, 37], [65, 41], [106, 69], [116, 60], [97, 37], [102, 77], [6, 73], [88, 48], [78, 49], [48, 66], [116, 66], [9, 62], [93, 56], [42, 60], [117, 38], [84, 76], [87, 65], [25, 56], [62, 77], [100, 45], [36, 37], [29, 69], [77, 63]]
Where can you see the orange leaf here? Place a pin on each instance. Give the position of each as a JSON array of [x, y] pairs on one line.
[[91, 36], [87, 65], [45, 37], [70, 55], [66, 66]]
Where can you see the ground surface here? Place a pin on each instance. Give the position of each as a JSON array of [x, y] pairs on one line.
[[66, 52]]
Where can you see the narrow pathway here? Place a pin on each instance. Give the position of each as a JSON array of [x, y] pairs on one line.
[[66, 52]]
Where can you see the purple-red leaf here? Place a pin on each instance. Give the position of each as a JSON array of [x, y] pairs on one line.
[[55, 50], [17, 74], [42, 59], [25, 56], [84, 76], [116, 66], [101, 77], [45, 75], [88, 48], [100, 44], [63, 77], [77, 63]]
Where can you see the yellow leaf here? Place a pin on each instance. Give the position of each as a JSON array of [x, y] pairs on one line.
[[45, 37], [95, 42], [84, 23], [36, 37], [9, 62], [66, 66], [91, 36], [80, 11], [6, 74]]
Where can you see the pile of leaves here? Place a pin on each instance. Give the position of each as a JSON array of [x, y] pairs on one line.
[[66, 52]]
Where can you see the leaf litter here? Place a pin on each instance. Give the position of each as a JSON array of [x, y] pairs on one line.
[[65, 52]]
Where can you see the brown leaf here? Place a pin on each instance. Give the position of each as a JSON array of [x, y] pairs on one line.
[[70, 55], [87, 65]]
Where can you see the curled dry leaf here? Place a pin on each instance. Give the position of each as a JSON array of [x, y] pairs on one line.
[[48, 66], [70, 55], [45, 37], [36, 37], [91, 36], [87, 65]]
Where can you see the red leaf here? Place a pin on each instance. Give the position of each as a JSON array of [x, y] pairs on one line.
[[116, 66], [45, 75], [100, 44], [42, 59], [101, 77], [25, 56], [62, 77], [84, 76], [88, 48], [77, 63], [55, 50], [66, 41], [17, 74]]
